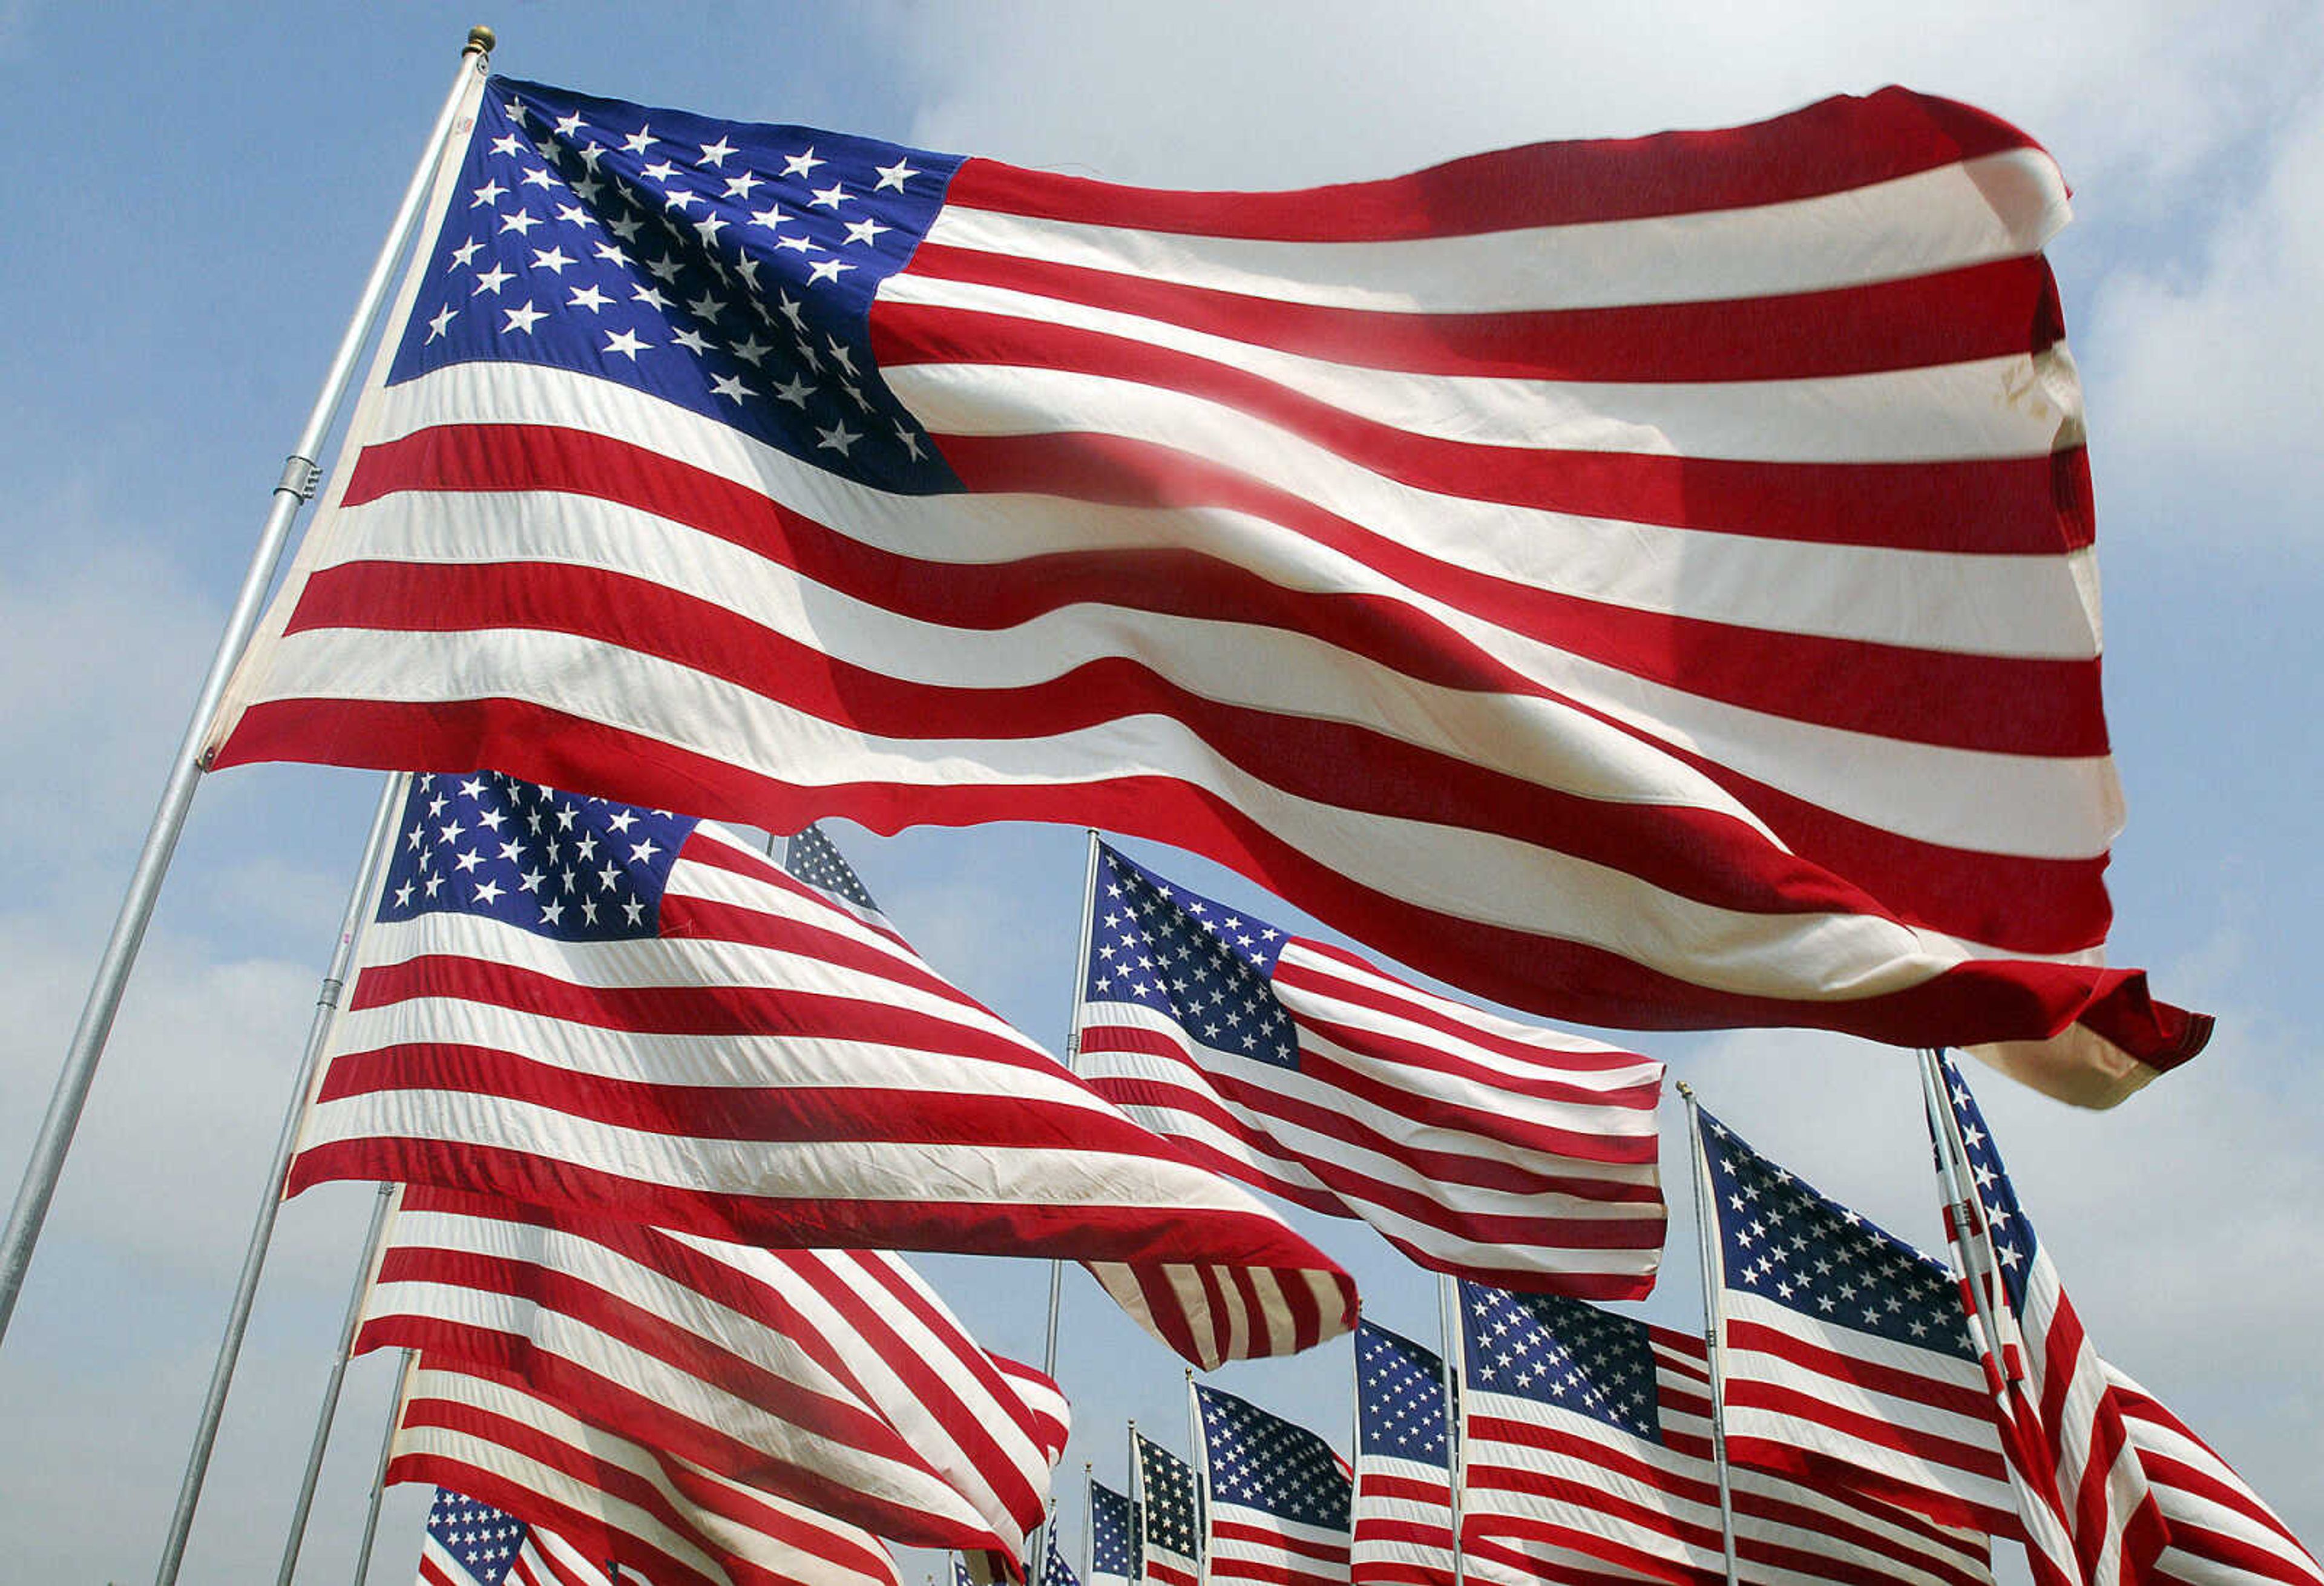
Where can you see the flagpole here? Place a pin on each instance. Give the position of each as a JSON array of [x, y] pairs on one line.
[[1448, 1338], [1073, 1062], [372, 1242], [292, 491], [379, 1475], [1199, 1447], [1136, 1496], [376, 846], [1714, 1350], [1960, 1193]]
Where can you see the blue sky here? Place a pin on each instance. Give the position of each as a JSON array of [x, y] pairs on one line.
[[197, 200]]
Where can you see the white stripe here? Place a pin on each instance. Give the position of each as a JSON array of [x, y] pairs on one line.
[[2014, 405], [1999, 206]]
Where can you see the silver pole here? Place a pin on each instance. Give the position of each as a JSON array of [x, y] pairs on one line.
[[305, 1506], [1960, 1193], [1073, 1062], [1089, 1523], [296, 485], [379, 1475], [1713, 1350], [1448, 1339], [376, 845], [1199, 1447]]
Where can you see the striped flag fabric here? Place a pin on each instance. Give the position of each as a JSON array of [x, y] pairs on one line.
[[834, 1379], [1276, 1497], [1647, 582], [1844, 1353], [1475, 1144], [1168, 1511], [650, 1512], [2221, 1532], [1114, 1551], [471, 1544], [1587, 1454], [1403, 1507], [619, 1013], [2111, 1485]]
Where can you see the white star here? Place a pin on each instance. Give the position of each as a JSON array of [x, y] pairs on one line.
[[795, 392], [894, 175], [491, 281], [751, 350], [487, 195], [731, 386], [715, 153], [825, 269], [589, 298], [800, 164], [569, 125], [489, 893], [463, 253], [521, 318], [574, 215], [692, 341], [837, 439], [830, 198], [864, 230], [625, 342], [436, 326], [709, 226], [552, 259], [523, 221], [637, 142]]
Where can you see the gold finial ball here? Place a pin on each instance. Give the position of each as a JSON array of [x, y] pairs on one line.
[[482, 38]]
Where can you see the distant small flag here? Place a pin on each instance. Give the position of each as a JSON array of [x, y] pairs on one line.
[[472, 1543], [1276, 1509], [1588, 1452], [1055, 1569], [1475, 1144], [1114, 1559], [811, 857], [1170, 1532], [1403, 1508], [1846, 1356]]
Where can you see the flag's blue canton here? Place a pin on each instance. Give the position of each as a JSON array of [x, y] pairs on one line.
[[559, 864], [811, 857], [2013, 1243], [1113, 1534], [1055, 1569], [1167, 1501], [725, 266], [1204, 964], [1400, 1399], [1783, 1241], [960, 1575], [1262, 1462], [483, 1539], [1562, 1352]]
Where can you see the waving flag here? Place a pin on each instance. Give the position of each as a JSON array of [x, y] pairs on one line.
[[1648, 583], [1055, 1569], [1276, 1509], [472, 1543], [1403, 1508], [2111, 1486], [1587, 1454], [835, 1378], [620, 1012], [648, 1512], [1114, 1551], [1846, 1358], [1169, 1516], [1476, 1145]]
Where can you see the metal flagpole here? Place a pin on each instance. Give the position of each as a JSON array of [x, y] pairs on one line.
[[1448, 1338], [379, 1475], [297, 1537], [1073, 1062], [376, 846], [1960, 1193], [1089, 1523], [292, 490], [1199, 1447], [1713, 1350]]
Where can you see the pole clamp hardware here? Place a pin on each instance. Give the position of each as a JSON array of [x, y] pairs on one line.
[[300, 476]]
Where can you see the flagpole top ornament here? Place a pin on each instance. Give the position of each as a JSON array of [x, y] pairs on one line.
[[1684, 1089], [481, 39]]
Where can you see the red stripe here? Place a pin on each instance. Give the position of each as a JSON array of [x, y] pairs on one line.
[[1871, 1376], [1828, 147], [1830, 1473], [1986, 311], [1077, 1231], [2046, 906], [1968, 1005]]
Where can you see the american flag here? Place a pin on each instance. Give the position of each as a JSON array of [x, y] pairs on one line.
[[835, 1378], [1169, 1516], [1587, 1453], [1114, 1549], [651, 1513], [1845, 1355], [1475, 1144], [1403, 1510], [1646, 582], [472, 1543], [2111, 1486], [1276, 1509], [619, 1012], [1055, 1569]]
